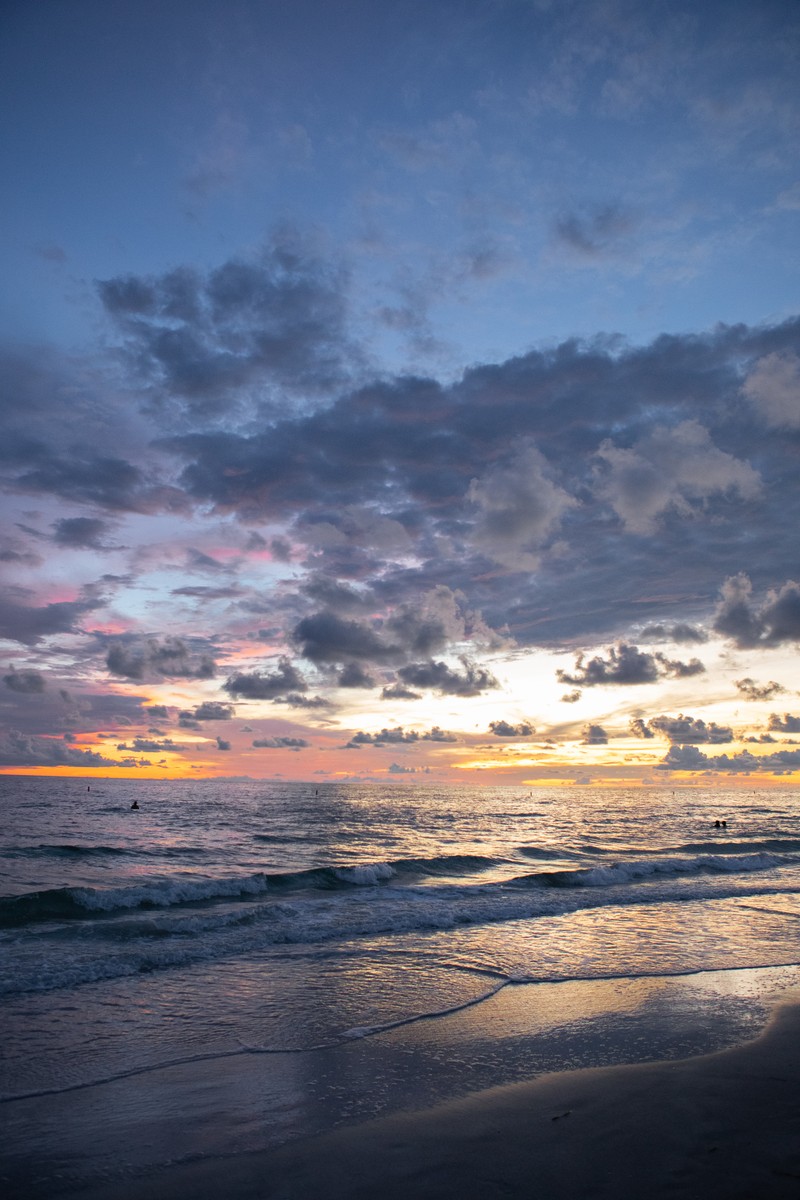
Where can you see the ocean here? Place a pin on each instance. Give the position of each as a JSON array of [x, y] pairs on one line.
[[237, 963]]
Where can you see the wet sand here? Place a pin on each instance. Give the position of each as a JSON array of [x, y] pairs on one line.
[[725, 1126]]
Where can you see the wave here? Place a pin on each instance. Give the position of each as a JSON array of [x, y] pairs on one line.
[[642, 869], [174, 923], [82, 903], [76, 850]]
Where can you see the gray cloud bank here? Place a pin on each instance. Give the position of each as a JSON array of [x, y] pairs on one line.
[[561, 497]]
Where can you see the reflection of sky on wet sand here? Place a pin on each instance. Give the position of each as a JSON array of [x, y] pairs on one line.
[[254, 1101]]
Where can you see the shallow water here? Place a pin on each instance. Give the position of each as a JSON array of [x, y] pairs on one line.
[[351, 947]]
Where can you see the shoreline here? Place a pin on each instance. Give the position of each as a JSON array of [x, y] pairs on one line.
[[721, 1126]]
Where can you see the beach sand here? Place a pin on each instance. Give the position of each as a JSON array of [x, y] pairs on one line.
[[724, 1126]]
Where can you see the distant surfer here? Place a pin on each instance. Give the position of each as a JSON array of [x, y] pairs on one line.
[[135, 804]]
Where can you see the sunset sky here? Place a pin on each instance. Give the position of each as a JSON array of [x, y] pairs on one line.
[[401, 391]]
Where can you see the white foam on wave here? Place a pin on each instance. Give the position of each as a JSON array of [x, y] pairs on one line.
[[365, 875], [638, 869]]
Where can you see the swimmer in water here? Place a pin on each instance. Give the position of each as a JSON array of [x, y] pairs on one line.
[[135, 804]]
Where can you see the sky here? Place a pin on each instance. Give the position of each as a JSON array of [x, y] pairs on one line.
[[401, 392]]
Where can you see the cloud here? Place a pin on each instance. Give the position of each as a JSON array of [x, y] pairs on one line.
[[785, 724], [281, 743], [438, 676], [759, 691], [594, 735], [522, 462], [519, 508], [222, 744], [689, 758], [504, 730], [23, 750], [298, 701], [639, 729], [28, 682], [397, 691], [30, 625], [408, 631], [775, 622], [354, 676], [681, 632], [151, 745], [690, 730], [256, 685], [438, 735], [595, 235], [773, 385], [669, 469], [81, 532], [211, 710], [386, 737], [627, 665], [277, 318], [328, 638], [149, 658]]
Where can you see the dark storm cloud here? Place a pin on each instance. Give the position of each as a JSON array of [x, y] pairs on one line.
[[751, 690], [30, 624], [28, 682], [439, 677], [785, 724], [580, 455], [256, 685], [23, 750], [281, 743], [151, 658], [627, 665], [776, 621], [504, 730], [690, 730], [276, 318]]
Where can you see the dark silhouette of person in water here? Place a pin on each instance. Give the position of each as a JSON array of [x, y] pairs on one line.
[[135, 804]]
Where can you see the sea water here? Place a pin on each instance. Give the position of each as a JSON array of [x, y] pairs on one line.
[[329, 928]]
